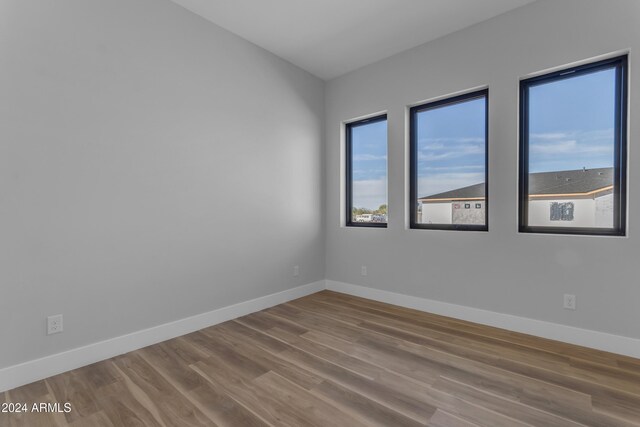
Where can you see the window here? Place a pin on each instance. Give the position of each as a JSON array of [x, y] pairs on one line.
[[448, 161], [573, 150], [561, 211], [366, 172]]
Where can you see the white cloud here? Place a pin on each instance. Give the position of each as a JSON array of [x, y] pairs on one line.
[[362, 174], [453, 168], [367, 157], [591, 143], [459, 151], [432, 146], [551, 135], [448, 141], [434, 149], [559, 147], [571, 147], [589, 136]]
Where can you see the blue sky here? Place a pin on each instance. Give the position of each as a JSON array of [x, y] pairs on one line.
[[369, 151], [571, 123], [571, 127], [451, 147]]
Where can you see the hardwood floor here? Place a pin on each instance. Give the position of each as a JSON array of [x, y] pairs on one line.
[[335, 360]]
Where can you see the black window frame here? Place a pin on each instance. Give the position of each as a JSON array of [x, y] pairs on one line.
[[413, 161], [620, 64], [349, 172]]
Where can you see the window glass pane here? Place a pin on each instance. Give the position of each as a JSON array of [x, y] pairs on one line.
[[572, 124], [451, 163], [368, 145]]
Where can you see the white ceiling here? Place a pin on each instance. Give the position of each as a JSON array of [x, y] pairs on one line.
[[331, 37]]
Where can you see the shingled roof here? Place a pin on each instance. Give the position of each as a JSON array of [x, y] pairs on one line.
[[579, 181], [475, 191]]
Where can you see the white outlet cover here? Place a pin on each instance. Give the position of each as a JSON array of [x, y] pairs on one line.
[[54, 324], [363, 270], [570, 302]]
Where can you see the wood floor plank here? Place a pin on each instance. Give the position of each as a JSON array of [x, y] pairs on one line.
[[170, 406], [444, 419], [257, 338], [490, 370], [503, 406], [172, 359], [38, 418], [343, 360], [222, 409], [235, 340], [383, 387], [318, 412], [616, 406], [242, 388], [331, 359], [374, 413], [123, 407], [34, 393], [98, 375], [258, 322], [244, 365], [629, 365], [30, 393], [73, 388], [97, 419]]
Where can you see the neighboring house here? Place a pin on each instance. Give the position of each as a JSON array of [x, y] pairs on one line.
[[577, 198], [464, 205]]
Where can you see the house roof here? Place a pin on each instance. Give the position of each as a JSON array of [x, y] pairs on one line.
[[573, 182], [475, 191]]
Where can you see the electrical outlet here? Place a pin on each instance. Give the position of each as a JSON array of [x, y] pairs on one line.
[[54, 324], [570, 302], [296, 271], [363, 270]]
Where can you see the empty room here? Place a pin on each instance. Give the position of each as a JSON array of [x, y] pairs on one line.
[[319, 213]]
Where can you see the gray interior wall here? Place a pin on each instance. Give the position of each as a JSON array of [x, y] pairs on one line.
[[503, 271], [152, 167]]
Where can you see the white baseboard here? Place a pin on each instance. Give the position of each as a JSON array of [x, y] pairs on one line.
[[569, 334], [34, 370]]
